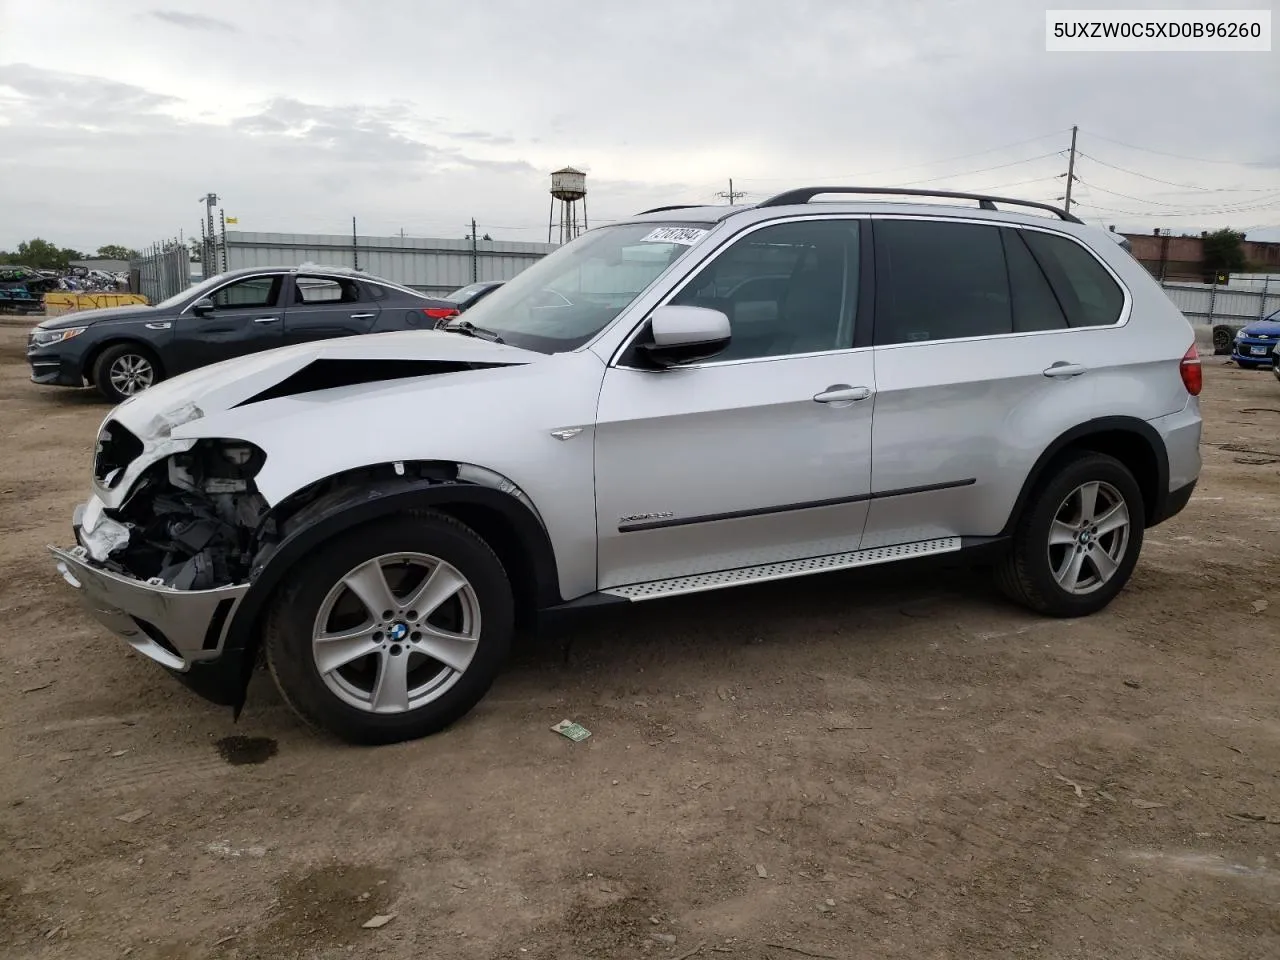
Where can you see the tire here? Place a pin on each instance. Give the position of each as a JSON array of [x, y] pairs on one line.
[[1027, 573], [392, 691], [1223, 336], [125, 369]]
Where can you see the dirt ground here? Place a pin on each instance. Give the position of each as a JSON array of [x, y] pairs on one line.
[[893, 764]]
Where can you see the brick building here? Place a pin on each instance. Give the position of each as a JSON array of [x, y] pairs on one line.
[[1180, 258]]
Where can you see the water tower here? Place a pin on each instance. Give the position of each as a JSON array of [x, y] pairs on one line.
[[568, 186]]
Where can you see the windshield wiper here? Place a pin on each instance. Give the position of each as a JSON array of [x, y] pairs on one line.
[[469, 329]]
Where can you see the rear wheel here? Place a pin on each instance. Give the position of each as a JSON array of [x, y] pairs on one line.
[[1076, 544], [392, 631], [1223, 336], [124, 370]]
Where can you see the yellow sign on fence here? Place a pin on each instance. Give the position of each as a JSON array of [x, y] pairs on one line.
[[57, 302]]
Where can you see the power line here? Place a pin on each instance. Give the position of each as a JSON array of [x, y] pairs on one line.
[[1171, 183], [912, 166], [1178, 156], [967, 173], [1224, 208], [1148, 214]]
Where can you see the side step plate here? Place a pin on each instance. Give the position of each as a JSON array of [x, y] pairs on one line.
[[655, 589]]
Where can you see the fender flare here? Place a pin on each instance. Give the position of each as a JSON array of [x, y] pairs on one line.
[[1140, 428]]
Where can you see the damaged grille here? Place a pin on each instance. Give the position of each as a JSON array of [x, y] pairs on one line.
[[193, 519], [117, 448]]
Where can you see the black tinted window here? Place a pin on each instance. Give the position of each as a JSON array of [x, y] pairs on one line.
[[788, 288], [938, 281], [250, 292], [1085, 289], [1034, 305]]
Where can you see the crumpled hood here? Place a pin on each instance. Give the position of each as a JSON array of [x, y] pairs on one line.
[[1267, 328], [155, 413], [83, 318]]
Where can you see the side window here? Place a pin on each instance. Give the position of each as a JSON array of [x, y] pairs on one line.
[[788, 288], [939, 280], [319, 290], [249, 292], [1088, 294], [1034, 305]]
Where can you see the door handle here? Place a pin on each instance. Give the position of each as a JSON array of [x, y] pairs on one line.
[[362, 316], [265, 319], [842, 393], [1063, 369]]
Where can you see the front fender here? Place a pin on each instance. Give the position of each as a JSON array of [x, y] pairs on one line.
[[356, 505]]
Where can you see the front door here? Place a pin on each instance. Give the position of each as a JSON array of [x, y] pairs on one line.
[[245, 318], [762, 454], [319, 308]]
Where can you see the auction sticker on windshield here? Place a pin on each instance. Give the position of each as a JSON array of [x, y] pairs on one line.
[[683, 235]]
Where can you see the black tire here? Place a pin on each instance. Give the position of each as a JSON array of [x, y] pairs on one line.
[[123, 352], [290, 620], [1025, 574], [1223, 337]]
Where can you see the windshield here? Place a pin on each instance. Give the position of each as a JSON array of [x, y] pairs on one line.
[[569, 296], [191, 292]]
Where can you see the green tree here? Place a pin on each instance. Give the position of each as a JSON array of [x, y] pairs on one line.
[[43, 255], [1223, 252], [114, 251]]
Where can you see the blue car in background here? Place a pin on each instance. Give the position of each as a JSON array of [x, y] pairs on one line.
[[1255, 344]]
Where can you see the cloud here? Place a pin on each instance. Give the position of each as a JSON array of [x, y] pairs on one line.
[[193, 21], [424, 113]]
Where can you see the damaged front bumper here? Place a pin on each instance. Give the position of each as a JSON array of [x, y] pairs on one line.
[[176, 628]]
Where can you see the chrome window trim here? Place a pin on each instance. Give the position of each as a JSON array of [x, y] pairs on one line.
[[1126, 309], [251, 276], [734, 240]]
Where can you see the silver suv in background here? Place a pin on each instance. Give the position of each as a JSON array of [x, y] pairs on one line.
[[693, 399]]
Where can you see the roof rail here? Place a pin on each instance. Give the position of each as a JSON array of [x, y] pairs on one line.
[[677, 206], [805, 194]]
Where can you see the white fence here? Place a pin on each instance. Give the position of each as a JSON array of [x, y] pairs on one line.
[[1210, 304]]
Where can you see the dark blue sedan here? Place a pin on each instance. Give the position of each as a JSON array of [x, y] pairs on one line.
[[1255, 345]]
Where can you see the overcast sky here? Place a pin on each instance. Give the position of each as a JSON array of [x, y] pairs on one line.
[[418, 115]]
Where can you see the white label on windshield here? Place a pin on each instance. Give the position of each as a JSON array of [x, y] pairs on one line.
[[687, 236]]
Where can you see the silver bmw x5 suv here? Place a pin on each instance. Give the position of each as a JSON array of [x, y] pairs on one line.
[[694, 399]]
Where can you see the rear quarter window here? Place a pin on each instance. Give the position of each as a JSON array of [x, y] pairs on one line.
[[1088, 294]]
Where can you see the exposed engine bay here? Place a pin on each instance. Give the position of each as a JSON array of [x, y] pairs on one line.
[[193, 520]]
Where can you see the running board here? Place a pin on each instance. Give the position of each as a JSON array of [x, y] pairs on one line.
[[656, 589]]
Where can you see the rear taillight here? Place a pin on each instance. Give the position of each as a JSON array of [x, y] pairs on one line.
[[441, 313], [1192, 373]]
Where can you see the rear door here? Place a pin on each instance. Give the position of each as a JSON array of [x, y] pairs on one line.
[[320, 307], [990, 342], [245, 319]]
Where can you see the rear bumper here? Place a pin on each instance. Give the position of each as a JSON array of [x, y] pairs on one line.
[[1181, 435]]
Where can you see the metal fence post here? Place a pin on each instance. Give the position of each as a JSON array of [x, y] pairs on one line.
[[1213, 296], [1262, 304]]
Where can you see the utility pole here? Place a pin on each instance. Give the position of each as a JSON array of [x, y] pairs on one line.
[[475, 253], [731, 195], [1071, 170], [222, 220]]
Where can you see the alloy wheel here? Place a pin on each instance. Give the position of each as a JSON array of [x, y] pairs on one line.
[[131, 373], [1088, 537], [396, 632]]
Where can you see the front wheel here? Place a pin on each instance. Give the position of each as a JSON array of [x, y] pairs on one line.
[[1078, 540], [124, 370], [392, 631]]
